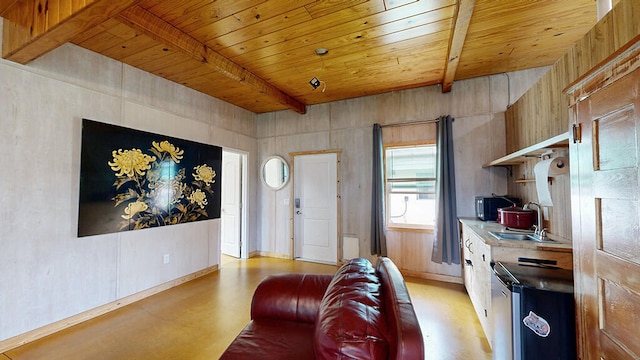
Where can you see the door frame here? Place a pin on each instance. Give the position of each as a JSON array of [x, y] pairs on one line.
[[244, 252], [292, 156]]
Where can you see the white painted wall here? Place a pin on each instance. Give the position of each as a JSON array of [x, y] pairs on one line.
[[48, 273], [478, 105]]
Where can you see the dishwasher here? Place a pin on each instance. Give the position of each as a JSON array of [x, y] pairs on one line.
[[533, 312]]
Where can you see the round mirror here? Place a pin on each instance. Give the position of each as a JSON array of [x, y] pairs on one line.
[[275, 172]]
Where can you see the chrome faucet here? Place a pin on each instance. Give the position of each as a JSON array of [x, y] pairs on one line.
[[539, 231]]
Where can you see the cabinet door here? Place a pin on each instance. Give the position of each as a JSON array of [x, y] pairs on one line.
[[467, 269], [477, 277], [482, 283], [606, 225]]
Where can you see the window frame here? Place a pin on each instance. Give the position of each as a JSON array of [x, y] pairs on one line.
[[387, 193]]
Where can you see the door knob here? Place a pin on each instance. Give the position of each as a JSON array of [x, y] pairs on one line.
[[299, 212]]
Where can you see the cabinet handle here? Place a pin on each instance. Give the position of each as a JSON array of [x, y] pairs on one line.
[[468, 244], [468, 262], [537, 261]]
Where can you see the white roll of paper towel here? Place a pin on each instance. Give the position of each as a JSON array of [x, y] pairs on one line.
[[543, 171]]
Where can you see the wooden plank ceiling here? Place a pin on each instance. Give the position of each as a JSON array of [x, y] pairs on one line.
[[260, 54]]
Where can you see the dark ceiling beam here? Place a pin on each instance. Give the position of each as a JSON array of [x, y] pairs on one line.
[[462, 20], [147, 23], [32, 28]]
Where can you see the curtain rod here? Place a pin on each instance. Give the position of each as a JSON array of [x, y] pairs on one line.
[[417, 122]]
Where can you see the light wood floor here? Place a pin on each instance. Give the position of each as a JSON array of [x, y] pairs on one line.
[[199, 319]]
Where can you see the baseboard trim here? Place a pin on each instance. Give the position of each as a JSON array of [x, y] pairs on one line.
[[270, 254], [52, 328], [430, 276]]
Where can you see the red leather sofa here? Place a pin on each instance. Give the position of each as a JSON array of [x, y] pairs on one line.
[[361, 312]]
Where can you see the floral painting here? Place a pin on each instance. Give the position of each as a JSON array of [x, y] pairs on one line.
[[132, 180]]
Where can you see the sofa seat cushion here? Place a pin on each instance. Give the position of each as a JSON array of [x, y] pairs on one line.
[[350, 323], [267, 339]]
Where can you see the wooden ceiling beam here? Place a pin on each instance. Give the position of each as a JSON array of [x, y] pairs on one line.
[[462, 20], [147, 23], [34, 27]]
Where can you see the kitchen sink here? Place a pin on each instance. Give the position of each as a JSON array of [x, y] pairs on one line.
[[517, 236]]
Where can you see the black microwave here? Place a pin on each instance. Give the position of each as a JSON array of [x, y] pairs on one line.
[[487, 207]]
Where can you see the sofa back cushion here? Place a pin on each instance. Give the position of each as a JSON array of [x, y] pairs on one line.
[[294, 297], [351, 323]]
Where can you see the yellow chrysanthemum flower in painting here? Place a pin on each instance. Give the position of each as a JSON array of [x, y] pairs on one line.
[[177, 192], [204, 173], [130, 162], [198, 197], [165, 146], [133, 209]]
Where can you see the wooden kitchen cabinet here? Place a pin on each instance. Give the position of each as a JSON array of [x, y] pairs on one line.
[[477, 277]]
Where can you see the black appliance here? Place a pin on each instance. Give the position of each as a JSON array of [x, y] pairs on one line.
[[487, 207], [533, 312]]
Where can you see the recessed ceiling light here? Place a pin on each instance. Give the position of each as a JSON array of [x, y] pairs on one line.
[[321, 51]]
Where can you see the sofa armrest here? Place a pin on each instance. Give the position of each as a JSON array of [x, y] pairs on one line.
[[406, 340], [294, 297]]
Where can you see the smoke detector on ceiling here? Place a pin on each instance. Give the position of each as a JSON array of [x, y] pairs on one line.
[[315, 83]]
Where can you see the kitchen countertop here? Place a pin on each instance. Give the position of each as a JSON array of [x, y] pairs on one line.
[[482, 228]]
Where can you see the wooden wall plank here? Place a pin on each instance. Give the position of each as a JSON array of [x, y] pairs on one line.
[[542, 112], [627, 22], [602, 40]]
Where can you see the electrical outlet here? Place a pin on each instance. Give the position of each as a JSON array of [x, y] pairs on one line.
[[165, 258]]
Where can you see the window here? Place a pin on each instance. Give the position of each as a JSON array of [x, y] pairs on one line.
[[411, 186]]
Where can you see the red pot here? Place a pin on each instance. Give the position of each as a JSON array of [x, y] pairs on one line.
[[515, 217]]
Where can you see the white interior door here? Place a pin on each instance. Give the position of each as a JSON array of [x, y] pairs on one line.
[[231, 198], [316, 208]]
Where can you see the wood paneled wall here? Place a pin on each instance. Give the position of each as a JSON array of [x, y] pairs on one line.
[[542, 112], [557, 218]]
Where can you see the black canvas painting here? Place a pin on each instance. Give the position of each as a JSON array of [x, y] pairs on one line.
[[131, 179]]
